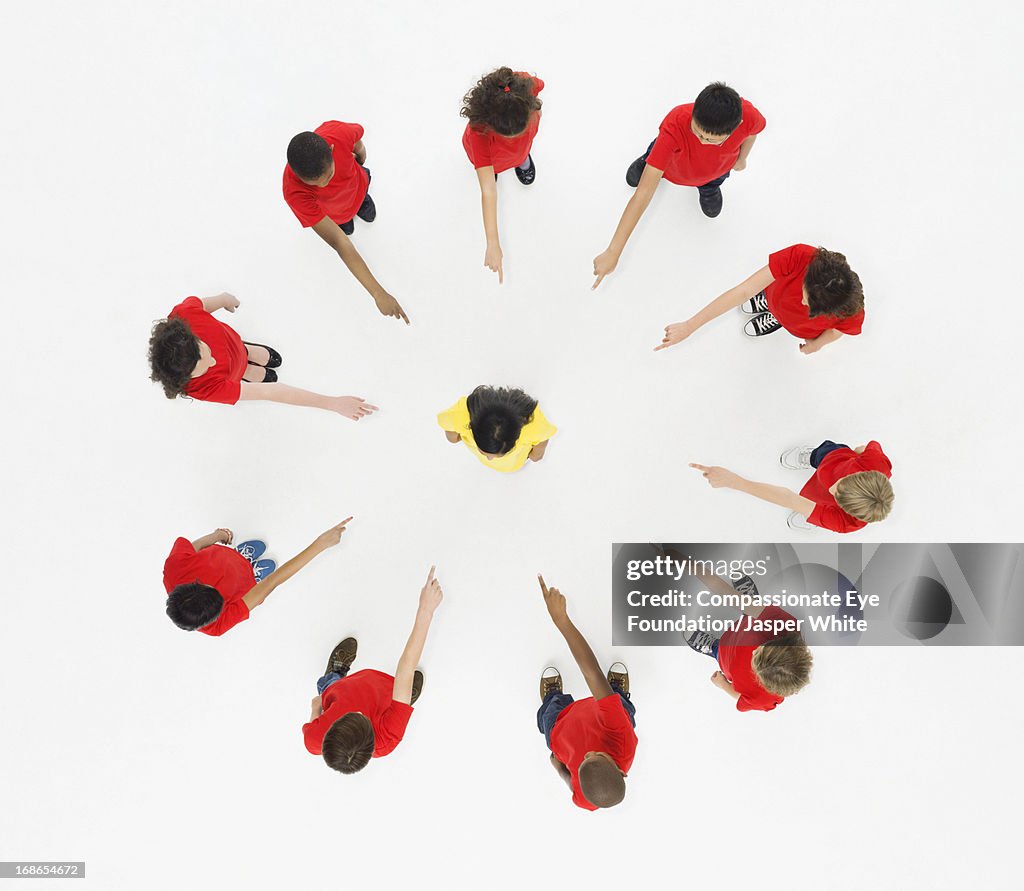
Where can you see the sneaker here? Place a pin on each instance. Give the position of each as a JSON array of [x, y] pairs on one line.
[[756, 304], [252, 550], [619, 680], [745, 585], [417, 686], [765, 323], [798, 458], [528, 175], [348, 228], [262, 568], [635, 171], [367, 210], [342, 656], [799, 521], [702, 642], [711, 203], [550, 683]]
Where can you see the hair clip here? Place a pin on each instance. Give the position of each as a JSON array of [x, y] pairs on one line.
[[508, 89]]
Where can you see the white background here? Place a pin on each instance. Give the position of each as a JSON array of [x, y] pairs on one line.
[[143, 147]]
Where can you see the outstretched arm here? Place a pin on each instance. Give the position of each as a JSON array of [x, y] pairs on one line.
[[321, 543], [679, 331], [578, 646], [604, 264], [430, 598], [489, 205], [331, 232], [351, 407], [720, 478]]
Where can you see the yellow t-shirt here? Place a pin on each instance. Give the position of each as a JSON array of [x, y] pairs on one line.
[[539, 429]]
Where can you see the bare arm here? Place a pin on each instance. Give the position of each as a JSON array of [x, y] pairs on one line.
[[331, 233], [221, 301], [262, 590], [722, 682], [316, 708], [720, 478], [537, 452], [430, 598], [489, 204], [452, 436], [352, 407], [679, 331], [604, 264], [578, 646], [741, 161], [823, 339], [222, 536], [359, 152], [561, 770]]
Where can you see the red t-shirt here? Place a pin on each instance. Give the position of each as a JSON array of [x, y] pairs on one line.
[[593, 725], [689, 162], [485, 148], [786, 295], [837, 464], [369, 692], [223, 381], [736, 649], [342, 196], [219, 567]]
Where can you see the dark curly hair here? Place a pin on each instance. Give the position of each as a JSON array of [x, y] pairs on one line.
[[173, 355], [833, 289], [501, 101], [309, 155], [193, 605], [497, 416], [718, 109]]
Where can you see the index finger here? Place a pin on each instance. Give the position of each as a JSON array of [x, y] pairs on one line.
[[343, 523], [543, 585], [699, 466], [401, 312], [600, 278], [501, 274], [430, 575]]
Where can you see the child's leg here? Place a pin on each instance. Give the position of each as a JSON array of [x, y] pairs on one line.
[[549, 711], [627, 704], [328, 679], [713, 186], [818, 455]]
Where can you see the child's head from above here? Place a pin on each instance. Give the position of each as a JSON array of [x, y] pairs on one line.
[[783, 664], [717, 111], [311, 159], [502, 101], [176, 356], [194, 605], [601, 781], [497, 416], [348, 743], [867, 495], [831, 288]]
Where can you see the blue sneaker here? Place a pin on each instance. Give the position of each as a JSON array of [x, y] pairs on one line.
[[252, 550], [262, 568]]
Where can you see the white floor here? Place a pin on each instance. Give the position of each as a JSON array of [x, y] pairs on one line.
[[143, 150]]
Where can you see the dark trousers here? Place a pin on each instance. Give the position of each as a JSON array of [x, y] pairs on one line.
[[818, 455], [553, 704], [704, 189]]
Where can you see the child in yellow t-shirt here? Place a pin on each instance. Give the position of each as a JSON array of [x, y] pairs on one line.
[[503, 427]]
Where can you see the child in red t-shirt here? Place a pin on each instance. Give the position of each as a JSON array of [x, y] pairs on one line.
[[759, 667], [849, 489], [592, 741], [191, 353], [503, 110], [698, 144], [327, 187], [811, 292], [358, 717], [211, 588]]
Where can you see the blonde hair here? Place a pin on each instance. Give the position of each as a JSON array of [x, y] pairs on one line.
[[783, 665], [867, 495]]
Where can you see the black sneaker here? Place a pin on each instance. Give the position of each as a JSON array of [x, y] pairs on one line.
[[745, 585], [342, 656], [757, 303], [702, 642], [711, 203], [367, 210], [348, 228], [417, 686], [765, 323], [529, 175], [635, 171]]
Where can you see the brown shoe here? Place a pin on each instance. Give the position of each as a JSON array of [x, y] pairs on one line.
[[550, 683], [417, 686], [342, 656], [619, 680]]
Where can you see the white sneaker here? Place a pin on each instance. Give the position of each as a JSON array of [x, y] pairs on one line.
[[799, 521], [798, 458], [757, 303]]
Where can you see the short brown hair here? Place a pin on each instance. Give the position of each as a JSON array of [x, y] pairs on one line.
[[348, 743], [601, 782], [783, 665], [833, 289], [867, 495]]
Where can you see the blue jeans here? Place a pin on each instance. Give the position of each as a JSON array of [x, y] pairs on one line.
[[707, 187], [818, 455], [329, 679], [554, 702]]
